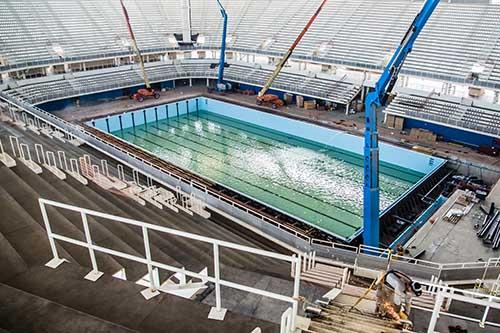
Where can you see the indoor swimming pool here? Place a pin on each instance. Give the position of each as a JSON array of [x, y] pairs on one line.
[[318, 183]]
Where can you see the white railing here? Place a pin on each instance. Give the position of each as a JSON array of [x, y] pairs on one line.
[[153, 265], [445, 295]]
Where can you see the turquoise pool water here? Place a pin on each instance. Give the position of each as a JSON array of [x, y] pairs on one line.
[[317, 183]]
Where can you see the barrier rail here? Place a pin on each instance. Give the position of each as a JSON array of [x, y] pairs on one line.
[[152, 265], [180, 74], [444, 296], [310, 58]]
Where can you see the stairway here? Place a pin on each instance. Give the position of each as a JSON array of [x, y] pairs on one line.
[[336, 319], [325, 275]]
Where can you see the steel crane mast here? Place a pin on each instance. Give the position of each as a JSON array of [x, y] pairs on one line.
[[222, 60], [135, 47], [288, 53], [374, 100]]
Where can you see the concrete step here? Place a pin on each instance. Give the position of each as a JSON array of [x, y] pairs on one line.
[[335, 319], [25, 312], [333, 282], [426, 301], [325, 275], [335, 311], [118, 236], [57, 190], [200, 252], [26, 236], [10, 261], [121, 303], [184, 222], [27, 198]]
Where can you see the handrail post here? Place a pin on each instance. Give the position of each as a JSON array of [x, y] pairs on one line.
[[152, 291], [217, 312], [56, 261], [435, 313], [296, 291], [93, 275], [217, 277]]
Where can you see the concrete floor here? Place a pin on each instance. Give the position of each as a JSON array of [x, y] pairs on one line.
[[352, 123], [445, 242]]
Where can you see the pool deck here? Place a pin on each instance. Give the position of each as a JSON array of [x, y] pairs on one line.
[[446, 242], [353, 123]]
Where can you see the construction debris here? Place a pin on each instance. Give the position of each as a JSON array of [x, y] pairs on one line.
[[490, 229]]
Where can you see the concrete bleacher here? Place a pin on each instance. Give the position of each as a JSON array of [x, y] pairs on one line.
[[338, 91], [446, 111], [25, 249], [358, 33]]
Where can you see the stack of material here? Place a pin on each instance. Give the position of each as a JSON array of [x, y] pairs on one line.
[[300, 101], [419, 134], [310, 105], [389, 121], [461, 207], [398, 123], [490, 229]]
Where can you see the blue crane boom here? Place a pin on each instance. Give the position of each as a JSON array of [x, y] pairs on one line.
[[222, 60], [374, 100]]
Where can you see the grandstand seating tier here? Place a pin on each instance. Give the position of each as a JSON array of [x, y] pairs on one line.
[[357, 32]]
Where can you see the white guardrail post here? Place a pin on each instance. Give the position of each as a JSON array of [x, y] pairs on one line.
[[56, 261], [152, 291], [93, 275]]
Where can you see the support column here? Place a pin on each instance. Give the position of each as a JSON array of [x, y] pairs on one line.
[[371, 191], [208, 82], [5, 77], [186, 21], [190, 82], [496, 98]]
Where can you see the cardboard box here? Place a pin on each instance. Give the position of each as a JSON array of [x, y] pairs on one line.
[[310, 105], [398, 123], [389, 121]]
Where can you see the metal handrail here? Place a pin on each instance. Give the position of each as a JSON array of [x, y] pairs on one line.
[[151, 264]]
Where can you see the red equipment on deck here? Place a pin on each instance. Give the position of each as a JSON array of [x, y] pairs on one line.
[[274, 100], [143, 93]]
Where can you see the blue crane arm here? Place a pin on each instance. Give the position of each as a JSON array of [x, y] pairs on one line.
[[375, 99], [222, 60], [390, 75]]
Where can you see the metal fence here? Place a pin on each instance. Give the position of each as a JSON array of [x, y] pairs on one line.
[[153, 266]]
